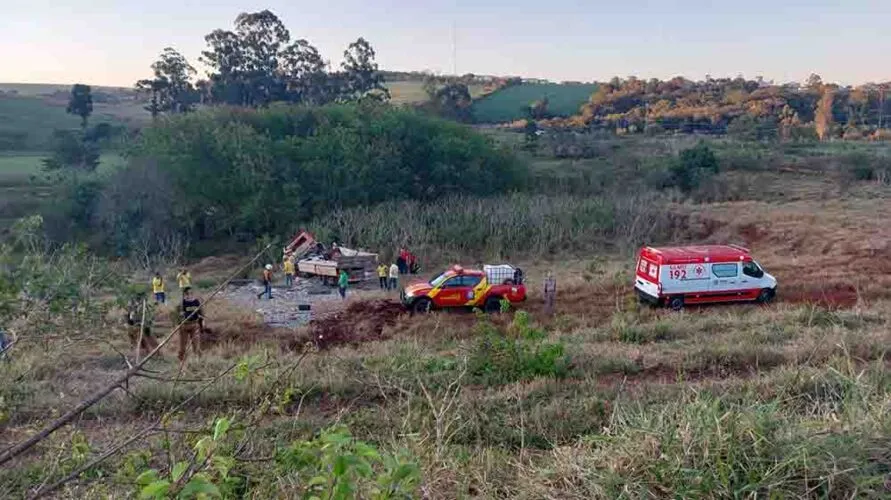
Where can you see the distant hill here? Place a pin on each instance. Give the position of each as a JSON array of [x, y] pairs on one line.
[[30, 112], [510, 103]]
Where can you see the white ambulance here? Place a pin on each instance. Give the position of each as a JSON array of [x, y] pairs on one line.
[[674, 276]]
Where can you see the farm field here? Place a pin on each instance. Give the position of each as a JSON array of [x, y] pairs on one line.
[[412, 91], [25, 188], [509, 104], [27, 122]]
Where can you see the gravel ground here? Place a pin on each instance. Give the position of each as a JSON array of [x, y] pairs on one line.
[[284, 309]]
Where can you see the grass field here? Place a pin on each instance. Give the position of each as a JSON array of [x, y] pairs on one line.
[[510, 103], [25, 188], [606, 399], [412, 92]]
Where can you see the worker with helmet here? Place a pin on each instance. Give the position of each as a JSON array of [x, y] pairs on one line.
[[267, 283]]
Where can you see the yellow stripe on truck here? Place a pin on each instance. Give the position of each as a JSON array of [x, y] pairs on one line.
[[479, 291]]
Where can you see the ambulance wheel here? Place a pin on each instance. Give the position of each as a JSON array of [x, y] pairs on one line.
[[492, 305], [766, 296], [422, 306], [676, 303]]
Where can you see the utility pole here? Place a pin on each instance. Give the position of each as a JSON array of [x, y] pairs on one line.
[[454, 49]]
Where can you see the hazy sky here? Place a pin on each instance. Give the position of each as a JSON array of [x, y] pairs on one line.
[[114, 42]]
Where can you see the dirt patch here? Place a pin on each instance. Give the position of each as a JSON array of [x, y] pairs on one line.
[[360, 322], [829, 296]]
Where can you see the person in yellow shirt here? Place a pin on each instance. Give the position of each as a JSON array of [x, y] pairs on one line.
[[158, 288], [184, 279], [382, 276], [289, 271]]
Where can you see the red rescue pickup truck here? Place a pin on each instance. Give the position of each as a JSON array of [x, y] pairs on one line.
[[467, 288]]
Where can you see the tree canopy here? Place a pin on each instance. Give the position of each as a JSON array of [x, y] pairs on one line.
[[236, 172], [752, 107]]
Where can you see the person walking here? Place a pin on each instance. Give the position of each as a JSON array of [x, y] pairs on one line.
[[193, 324], [158, 288], [184, 279], [394, 277], [289, 271], [267, 283], [342, 282], [382, 276], [550, 293]]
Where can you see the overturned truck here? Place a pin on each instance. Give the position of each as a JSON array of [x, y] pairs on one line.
[[312, 258]]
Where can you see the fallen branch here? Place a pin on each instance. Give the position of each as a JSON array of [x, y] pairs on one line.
[[155, 427], [27, 444]]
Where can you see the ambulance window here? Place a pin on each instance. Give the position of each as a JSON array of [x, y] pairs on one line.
[[725, 270], [752, 269], [654, 270], [642, 267]]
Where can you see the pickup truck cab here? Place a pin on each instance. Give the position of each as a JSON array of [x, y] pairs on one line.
[[674, 276], [466, 288]]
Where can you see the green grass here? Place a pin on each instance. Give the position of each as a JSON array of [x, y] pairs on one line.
[[25, 187], [510, 103], [412, 91], [27, 120]]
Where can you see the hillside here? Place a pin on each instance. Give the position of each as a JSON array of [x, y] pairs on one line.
[[511, 103], [30, 112]]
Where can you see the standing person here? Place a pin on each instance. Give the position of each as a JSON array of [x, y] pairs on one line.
[[158, 288], [394, 277], [382, 276], [267, 283], [193, 324], [289, 272], [550, 293], [184, 279], [402, 261], [342, 282]]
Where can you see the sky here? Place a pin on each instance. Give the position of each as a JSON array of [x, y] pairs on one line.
[[113, 42]]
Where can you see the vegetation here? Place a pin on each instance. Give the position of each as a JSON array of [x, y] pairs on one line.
[[513, 102], [228, 174], [736, 105], [258, 64]]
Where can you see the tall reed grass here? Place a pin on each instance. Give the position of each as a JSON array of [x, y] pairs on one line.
[[502, 227]]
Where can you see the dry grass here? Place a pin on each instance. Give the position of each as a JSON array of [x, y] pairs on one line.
[[713, 402]]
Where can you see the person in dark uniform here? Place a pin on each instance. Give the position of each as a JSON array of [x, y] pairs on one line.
[[190, 331]]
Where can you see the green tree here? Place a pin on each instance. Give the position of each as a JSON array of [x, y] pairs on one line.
[[693, 166], [304, 72], [361, 71], [80, 103], [72, 150], [171, 89], [450, 100]]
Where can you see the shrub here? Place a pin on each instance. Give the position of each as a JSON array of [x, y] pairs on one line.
[[693, 166], [522, 354], [236, 173]]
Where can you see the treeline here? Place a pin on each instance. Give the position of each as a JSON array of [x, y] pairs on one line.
[[258, 63], [751, 108], [234, 174]]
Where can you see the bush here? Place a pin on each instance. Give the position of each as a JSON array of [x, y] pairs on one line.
[[693, 166], [232, 172], [500, 358]]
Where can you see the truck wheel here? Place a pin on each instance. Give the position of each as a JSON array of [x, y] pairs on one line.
[[766, 296], [422, 305], [676, 303], [492, 305]]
